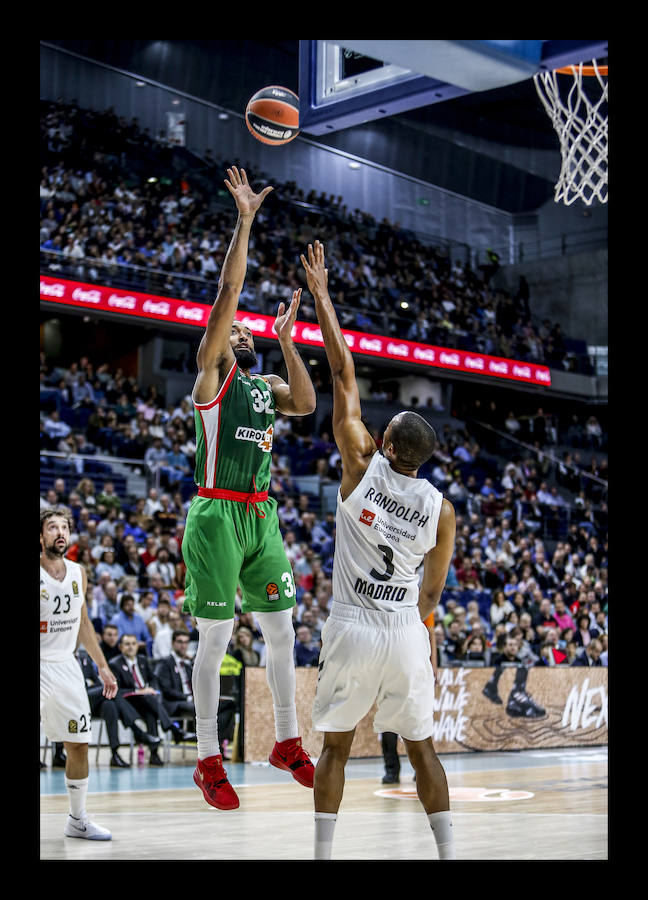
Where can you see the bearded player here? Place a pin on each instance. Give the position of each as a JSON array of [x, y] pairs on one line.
[[64, 704], [232, 532]]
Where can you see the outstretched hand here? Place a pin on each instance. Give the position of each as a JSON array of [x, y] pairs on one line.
[[285, 320], [315, 268], [247, 202]]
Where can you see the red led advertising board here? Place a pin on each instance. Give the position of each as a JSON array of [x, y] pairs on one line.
[[187, 312]]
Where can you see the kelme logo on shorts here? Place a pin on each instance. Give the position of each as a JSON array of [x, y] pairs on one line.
[[262, 439], [272, 591]]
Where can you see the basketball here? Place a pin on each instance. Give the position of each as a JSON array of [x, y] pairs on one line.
[[272, 115]]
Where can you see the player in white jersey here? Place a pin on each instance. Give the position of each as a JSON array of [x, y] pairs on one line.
[[375, 647], [64, 704]]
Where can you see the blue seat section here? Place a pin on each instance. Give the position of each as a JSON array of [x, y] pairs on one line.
[[75, 418], [52, 468]]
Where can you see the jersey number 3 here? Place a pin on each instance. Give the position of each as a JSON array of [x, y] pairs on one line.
[[388, 555]]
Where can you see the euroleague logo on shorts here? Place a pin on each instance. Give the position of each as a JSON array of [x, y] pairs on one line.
[[272, 591], [367, 517]]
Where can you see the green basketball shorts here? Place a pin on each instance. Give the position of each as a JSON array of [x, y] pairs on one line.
[[227, 544]]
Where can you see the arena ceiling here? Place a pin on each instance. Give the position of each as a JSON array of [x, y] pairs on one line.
[[510, 114], [508, 124]]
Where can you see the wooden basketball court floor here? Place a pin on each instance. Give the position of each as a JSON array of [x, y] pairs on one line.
[[529, 805]]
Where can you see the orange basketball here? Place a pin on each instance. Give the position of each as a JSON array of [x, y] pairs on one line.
[[272, 115]]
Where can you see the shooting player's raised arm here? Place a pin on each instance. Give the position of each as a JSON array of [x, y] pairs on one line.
[[215, 350]]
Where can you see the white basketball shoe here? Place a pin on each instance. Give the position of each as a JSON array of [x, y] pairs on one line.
[[84, 828]]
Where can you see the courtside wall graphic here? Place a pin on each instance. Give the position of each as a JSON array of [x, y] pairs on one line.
[[563, 708], [170, 309]]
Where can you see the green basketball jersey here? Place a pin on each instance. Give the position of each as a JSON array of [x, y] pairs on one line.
[[234, 435]]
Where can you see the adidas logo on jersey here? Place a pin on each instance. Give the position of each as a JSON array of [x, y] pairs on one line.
[[263, 439]]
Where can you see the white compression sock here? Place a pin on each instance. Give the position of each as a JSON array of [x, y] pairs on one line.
[[324, 828], [214, 637], [441, 824], [279, 636], [77, 789], [286, 726], [207, 737]]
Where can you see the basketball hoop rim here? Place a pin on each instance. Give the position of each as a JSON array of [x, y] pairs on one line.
[[589, 71]]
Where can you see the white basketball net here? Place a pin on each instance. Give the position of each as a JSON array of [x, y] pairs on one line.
[[582, 127]]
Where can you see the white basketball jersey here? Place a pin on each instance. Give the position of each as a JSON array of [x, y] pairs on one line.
[[60, 612], [384, 528]]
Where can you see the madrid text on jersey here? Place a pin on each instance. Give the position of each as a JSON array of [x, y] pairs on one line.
[[379, 591], [406, 513]]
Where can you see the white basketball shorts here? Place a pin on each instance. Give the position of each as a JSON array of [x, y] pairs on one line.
[[371, 656], [64, 704]]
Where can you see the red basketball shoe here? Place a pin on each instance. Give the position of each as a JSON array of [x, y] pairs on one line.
[[291, 756], [211, 778]]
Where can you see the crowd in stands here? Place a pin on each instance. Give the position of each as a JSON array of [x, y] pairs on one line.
[[122, 207], [529, 558]]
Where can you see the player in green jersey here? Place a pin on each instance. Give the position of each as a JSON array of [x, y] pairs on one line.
[[232, 532]]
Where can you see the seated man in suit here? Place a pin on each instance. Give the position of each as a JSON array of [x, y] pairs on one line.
[[136, 682], [111, 711], [173, 676]]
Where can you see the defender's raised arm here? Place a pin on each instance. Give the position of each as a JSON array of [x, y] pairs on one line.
[[354, 442]]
